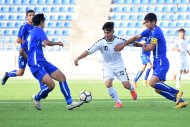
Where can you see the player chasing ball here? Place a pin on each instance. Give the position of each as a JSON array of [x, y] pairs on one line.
[[112, 64]]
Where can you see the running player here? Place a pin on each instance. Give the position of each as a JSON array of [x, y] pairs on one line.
[[160, 60], [112, 62], [23, 34], [43, 70]]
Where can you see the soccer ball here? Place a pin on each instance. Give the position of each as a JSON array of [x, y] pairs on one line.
[[86, 96]]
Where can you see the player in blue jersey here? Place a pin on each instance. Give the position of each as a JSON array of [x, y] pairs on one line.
[[145, 58], [23, 33], [43, 70], [160, 60]]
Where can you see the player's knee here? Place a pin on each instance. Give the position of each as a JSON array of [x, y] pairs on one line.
[[51, 87], [127, 85], [158, 91], [20, 73]]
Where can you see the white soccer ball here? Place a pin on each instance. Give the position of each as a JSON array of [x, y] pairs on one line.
[[86, 96]]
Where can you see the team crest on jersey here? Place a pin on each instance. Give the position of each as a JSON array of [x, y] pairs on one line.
[[105, 48]]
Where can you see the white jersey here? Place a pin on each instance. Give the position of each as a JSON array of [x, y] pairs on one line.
[[111, 58], [182, 45]]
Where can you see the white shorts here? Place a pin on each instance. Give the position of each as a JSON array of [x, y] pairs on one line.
[[183, 64], [120, 73]]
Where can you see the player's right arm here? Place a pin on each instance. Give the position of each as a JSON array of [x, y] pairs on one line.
[[23, 53], [83, 55], [20, 36], [91, 50], [19, 40]]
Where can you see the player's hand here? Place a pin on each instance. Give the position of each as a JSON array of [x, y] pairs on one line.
[[76, 62], [119, 47], [144, 46], [43, 45], [60, 43]]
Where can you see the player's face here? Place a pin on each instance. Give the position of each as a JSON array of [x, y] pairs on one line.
[[108, 35], [150, 24], [30, 16], [181, 34], [42, 24]]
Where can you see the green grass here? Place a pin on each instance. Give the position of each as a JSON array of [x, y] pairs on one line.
[[17, 110]]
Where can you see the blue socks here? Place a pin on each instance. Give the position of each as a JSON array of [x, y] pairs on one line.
[[42, 94], [66, 92], [138, 76], [12, 73], [169, 96], [166, 88], [42, 85], [147, 73]]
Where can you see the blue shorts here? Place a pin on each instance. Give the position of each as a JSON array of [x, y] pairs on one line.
[[160, 68], [145, 59], [43, 68], [22, 62]]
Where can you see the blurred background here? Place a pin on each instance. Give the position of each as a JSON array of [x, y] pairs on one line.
[[78, 24]]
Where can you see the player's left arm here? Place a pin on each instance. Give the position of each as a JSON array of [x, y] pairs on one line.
[[137, 44], [149, 47], [51, 43]]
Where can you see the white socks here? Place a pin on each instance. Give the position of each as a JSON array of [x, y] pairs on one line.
[[178, 79], [113, 94]]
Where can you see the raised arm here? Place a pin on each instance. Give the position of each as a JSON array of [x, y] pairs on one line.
[[83, 55], [119, 47]]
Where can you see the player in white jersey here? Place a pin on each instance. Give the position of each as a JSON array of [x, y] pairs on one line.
[[181, 46], [112, 62]]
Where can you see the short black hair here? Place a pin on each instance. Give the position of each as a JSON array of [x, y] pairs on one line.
[[38, 18], [150, 17], [30, 11], [181, 30], [108, 26]]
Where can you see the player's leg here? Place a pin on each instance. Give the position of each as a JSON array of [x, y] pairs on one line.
[[40, 74], [149, 67], [56, 74], [178, 78], [182, 103], [140, 72], [138, 75], [160, 75], [108, 77], [122, 75], [112, 92], [22, 65]]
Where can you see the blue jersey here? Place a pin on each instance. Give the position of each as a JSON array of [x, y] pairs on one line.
[[25, 46], [147, 41], [160, 63], [35, 52], [156, 36], [24, 31]]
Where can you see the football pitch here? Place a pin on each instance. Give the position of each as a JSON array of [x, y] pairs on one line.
[[150, 110]]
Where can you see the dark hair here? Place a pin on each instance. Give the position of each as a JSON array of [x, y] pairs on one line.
[[38, 18], [150, 17], [108, 26], [181, 30], [30, 11]]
